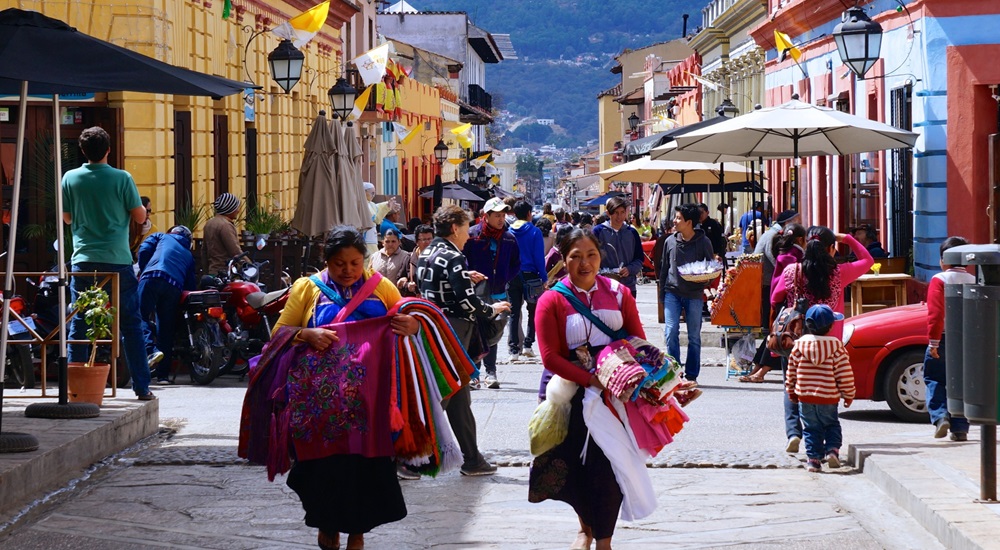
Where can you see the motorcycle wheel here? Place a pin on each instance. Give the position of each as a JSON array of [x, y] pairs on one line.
[[19, 372], [202, 365]]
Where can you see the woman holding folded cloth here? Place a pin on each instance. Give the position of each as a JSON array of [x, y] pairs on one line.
[[569, 342]]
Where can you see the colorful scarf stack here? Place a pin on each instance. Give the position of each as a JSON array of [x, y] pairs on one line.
[[618, 369], [310, 404], [429, 366]]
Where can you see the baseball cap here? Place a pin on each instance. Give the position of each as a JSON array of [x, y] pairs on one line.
[[819, 317], [495, 205], [786, 215]]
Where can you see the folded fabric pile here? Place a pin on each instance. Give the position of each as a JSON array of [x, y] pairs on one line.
[[618, 369], [429, 366]]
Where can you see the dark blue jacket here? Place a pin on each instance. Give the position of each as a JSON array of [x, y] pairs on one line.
[[620, 248], [500, 262], [531, 247], [167, 256]]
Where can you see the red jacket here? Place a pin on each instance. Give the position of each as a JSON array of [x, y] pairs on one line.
[[935, 300]]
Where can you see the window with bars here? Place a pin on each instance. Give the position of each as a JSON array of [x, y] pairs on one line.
[[901, 183]]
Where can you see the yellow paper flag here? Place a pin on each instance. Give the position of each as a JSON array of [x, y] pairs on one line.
[[304, 26], [785, 47], [360, 103], [459, 130], [456, 162]]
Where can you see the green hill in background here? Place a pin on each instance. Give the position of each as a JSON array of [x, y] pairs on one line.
[[565, 52]]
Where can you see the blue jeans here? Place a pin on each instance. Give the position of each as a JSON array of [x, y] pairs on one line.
[[793, 423], [129, 321], [821, 427], [516, 291], [672, 307], [159, 300], [937, 397]]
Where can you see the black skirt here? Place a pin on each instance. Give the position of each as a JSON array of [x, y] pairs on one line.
[[348, 493], [588, 486]]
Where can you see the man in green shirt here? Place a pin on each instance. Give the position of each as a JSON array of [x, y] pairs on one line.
[[99, 202]]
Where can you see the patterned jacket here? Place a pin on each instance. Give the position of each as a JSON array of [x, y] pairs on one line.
[[443, 278]]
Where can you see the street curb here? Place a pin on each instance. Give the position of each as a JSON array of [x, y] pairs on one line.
[[915, 483], [58, 459]]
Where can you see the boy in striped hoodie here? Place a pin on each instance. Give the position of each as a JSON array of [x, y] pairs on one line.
[[819, 375]]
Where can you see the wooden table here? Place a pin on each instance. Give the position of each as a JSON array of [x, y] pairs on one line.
[[895, 281]]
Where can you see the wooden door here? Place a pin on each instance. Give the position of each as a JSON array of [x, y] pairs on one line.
[[183, 192], [220, 139], [251, 149]]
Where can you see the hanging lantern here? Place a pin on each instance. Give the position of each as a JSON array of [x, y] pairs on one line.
[[859, 40]]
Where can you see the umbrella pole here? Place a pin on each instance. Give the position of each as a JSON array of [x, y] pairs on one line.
[[63, 409], [11, 441]]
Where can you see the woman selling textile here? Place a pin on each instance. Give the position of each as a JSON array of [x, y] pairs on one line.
[[344, 493], [566, 339]]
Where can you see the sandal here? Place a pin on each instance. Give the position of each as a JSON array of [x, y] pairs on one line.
[[327, 542], [752, 378]]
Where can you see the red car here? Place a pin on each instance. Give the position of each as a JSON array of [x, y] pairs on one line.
[[887, 355]]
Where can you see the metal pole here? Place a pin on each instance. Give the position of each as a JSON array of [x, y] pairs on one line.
[[988, 463], [8, 284], [61, 254]]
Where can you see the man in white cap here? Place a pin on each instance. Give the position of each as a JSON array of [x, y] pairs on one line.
[[221, 240], [371, 236]]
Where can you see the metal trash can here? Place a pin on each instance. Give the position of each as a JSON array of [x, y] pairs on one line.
[[980, 337], [953, 357]]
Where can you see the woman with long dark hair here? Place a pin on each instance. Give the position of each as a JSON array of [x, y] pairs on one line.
[[821, 280], [787, 249]]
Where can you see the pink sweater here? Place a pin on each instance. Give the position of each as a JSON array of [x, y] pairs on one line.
[[843, 275]]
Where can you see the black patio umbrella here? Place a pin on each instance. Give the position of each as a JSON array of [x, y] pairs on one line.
[[47, 56], [55, 58]]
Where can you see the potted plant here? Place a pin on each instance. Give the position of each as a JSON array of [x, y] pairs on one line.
[[86, 381], [262, 220]]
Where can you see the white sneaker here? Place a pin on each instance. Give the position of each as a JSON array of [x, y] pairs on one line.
[[527, 352], [154, 358], [793, 444], [515, 358]]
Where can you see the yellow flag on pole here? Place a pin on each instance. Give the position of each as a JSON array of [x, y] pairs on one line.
[[372, 63], [360, 103], [459, 130], [785, 47], [304, 26]]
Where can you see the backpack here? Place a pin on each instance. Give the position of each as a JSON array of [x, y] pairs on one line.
[[788, 327]]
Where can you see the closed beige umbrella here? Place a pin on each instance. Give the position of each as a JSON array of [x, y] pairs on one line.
[[352, 204], [316, 210]]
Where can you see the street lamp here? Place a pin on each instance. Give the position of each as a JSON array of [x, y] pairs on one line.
[[727, 109], [441, 155], [441, 152], [633, 122], [286, 65], [858, 39], [342, 96]]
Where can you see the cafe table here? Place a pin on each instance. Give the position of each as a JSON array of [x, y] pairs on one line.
[[895, 281]]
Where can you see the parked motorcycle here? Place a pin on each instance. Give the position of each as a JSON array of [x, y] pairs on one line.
[[19, 370], [200, 342], [250, 311]]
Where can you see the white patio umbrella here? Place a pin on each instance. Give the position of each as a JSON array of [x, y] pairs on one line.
[[646, 170], [792, 130]]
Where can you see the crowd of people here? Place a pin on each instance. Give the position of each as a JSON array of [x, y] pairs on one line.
[[564, 281]]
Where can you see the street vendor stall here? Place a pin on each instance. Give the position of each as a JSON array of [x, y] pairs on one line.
[[736, 305]]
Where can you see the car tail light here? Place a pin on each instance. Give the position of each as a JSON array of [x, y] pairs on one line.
[[199, 317], [17, 304], [216, 312]]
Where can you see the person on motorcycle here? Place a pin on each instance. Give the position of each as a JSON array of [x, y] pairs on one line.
[[221, 240], [166, 268]]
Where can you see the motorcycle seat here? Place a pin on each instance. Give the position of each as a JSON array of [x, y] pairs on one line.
[[260, 300]]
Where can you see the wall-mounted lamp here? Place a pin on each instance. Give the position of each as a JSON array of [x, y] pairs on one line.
[[342, 96], [727, 109], [859, 40], [633, 122], [286, 65], [441, 152]]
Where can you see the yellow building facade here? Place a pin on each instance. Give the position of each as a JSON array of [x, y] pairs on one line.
[[185, 150]]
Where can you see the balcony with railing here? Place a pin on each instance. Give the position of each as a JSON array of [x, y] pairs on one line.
[[478, 107]]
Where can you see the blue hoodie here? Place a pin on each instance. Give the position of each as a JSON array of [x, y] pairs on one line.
[[531, 246], [167, 256]]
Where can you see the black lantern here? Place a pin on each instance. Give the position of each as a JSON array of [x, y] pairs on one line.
[[633, 122], [441, 152], [342, 96], [727, 109], [286, 65], [859, 40]]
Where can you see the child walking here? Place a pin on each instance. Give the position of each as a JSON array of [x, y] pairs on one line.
[[934, 373], [819, 375]]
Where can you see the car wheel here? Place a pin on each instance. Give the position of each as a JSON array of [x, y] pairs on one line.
[[905, 391]]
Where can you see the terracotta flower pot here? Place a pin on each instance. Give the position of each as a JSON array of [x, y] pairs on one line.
[[86, 384]]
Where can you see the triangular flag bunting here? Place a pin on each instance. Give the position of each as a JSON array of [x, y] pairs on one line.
[[479, 161], [227, 8], [304, 26], [785, 47], [360, 103], [456, 162], [403, 135], [372, 63], [459, 130], [704, 82]]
